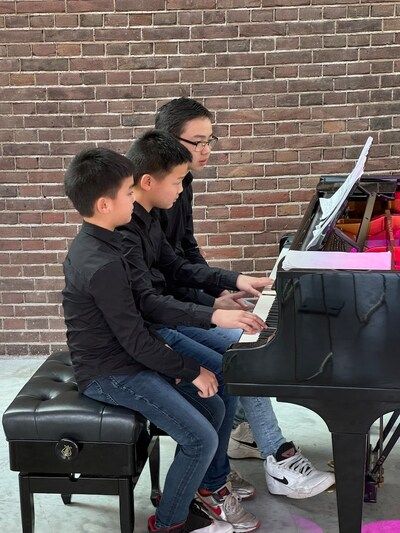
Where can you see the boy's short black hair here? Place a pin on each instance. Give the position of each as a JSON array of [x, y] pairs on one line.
[[156, 152], [173, 116], [94, 173]]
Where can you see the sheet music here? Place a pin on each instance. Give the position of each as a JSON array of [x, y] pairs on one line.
[[331, 206], [282, 254]]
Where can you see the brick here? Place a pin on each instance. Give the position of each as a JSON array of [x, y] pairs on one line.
[[137, 63], [260, 45], [44, 49], [93, 20], [311, 28], [238, 3], [254, 30], [336, 12], [36, 64], [232, 226], [66, 21], [287, 14], [214, 47], [354, 26], [140, 5], [16, 21], [70, 93], [7, 6], [214, 32], [41, 21], [116, 34], [74, 6], [88, 49], [166, 47], [262, 15], [44, 6], [66, 35], [20, 36], [161, 34], [188, 4]]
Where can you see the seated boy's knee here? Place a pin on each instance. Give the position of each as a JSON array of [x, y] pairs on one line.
[[206, 439], [211, 442]]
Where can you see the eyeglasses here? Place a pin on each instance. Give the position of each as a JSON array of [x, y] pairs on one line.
[[200, 145]]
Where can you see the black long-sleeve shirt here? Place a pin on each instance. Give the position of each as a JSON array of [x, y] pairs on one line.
[[105, 332], [177, 224], [154, 265]]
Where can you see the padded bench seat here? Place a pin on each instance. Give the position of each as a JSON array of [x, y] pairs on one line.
[[63, 442]]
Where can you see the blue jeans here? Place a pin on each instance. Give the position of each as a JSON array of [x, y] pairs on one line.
[[240, 415], [182, 343], [192, 421], [258, 410]]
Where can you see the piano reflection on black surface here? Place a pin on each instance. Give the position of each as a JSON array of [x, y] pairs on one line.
[[334, 335]]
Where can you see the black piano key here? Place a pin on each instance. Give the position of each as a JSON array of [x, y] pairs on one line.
[[272, 318]]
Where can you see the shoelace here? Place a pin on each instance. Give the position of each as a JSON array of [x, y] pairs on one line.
[[232, 506], [300, 464], [234, 476]]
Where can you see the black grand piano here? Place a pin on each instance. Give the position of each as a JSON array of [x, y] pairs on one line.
[[333, 342]]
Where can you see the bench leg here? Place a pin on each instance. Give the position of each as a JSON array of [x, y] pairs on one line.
[[66, 498], [126, 505], [27, 505], [154, 465]]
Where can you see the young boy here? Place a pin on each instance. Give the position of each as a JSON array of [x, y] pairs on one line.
[[160, 163], [118, 360], [190, 122]]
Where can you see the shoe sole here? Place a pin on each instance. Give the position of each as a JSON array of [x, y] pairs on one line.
[[246, 496], [241, 456], [313, 492], [245, 530], [249, 453]]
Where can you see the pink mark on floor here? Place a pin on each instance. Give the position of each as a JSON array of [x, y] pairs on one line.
[[383, 526]]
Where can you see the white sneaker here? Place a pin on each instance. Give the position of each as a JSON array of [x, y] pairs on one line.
[[291, 474], [242, 444]]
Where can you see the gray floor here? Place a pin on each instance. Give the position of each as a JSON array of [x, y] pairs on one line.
[[99, 514]]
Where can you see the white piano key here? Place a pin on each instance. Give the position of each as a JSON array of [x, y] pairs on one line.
[[261, 309]]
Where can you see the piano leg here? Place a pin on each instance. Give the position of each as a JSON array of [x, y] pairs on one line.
[[349, 451]]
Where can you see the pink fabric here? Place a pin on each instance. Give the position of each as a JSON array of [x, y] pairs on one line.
[[383, 526]]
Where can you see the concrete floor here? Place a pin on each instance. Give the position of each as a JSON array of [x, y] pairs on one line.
[[99, 514]]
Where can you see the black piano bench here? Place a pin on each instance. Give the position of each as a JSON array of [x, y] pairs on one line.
[[64, 443]]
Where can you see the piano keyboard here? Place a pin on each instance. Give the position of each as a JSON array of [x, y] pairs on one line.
[[266, 308]]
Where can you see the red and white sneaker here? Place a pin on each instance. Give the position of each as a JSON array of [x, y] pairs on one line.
[[198, 521], [224, 505]]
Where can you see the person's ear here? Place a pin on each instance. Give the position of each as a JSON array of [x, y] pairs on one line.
[[103, 205], [146, 182]]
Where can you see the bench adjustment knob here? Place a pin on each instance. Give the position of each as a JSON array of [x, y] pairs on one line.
[[66, 449]]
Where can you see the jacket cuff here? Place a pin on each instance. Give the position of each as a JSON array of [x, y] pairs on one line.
[[229, 279], [190, 370], [202, 317]]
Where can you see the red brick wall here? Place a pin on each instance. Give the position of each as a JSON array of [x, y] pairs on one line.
[[294, 91]]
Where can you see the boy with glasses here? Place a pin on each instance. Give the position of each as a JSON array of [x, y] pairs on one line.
[[190, 122]]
